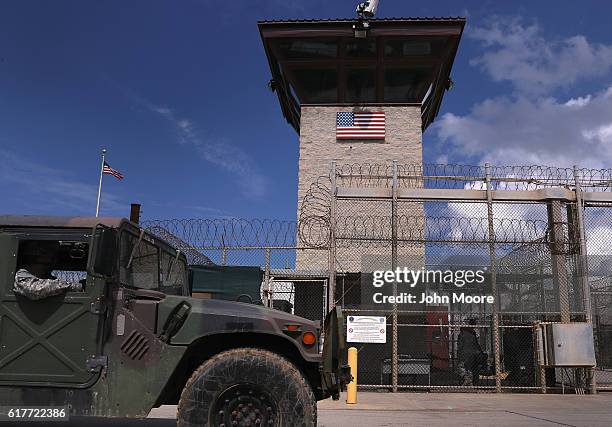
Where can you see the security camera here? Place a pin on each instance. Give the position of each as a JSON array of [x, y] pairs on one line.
[[361, 29], [367, 9]]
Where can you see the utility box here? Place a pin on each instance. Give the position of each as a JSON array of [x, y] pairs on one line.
[[566, 345]]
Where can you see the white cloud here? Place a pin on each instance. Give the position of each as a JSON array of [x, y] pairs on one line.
[[530, 125], [579, 102], [216, 151], [169, 206], [520, 54], [166, 112], [525, 130], [219, 152], [41, 189], [602, 133], [236, 161]]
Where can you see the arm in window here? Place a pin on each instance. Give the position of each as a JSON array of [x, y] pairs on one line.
[[34, 288]]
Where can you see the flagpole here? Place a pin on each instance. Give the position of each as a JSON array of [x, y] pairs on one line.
[[100, 185]]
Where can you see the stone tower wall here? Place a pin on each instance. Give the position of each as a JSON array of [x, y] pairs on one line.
[[319, 147]]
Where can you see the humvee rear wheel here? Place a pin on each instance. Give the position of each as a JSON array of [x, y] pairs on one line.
[[247, 387]]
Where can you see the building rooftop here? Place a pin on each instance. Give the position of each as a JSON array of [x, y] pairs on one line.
[[402, 61], [352, 20]]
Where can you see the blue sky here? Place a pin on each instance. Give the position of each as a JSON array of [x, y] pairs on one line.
[[176, 91]]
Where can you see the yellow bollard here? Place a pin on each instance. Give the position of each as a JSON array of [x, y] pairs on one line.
[[351, 388]]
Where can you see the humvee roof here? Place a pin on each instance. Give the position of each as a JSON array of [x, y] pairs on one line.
[[58, 221]]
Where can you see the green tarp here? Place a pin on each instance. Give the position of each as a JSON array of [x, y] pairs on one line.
[[227, 282]]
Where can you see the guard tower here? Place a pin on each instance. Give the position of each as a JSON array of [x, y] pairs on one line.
[[398, 68]]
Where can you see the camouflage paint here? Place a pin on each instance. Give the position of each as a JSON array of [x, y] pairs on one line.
[[72, 330]]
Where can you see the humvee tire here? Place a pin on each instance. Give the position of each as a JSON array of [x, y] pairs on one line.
[[247, 385]]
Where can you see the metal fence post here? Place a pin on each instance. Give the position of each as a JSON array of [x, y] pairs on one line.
[[493, 271], [331, 285], [267, 278], [223, 251], [394, 356], [537, 356], [583, 269], [558, 257]]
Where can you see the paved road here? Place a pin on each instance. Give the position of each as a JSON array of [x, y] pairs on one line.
[[426, 409], [463, 409]]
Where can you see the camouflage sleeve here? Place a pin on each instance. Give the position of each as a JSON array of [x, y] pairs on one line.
[[31, 287]]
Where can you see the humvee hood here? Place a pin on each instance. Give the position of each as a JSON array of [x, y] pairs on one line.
[[216, 316]]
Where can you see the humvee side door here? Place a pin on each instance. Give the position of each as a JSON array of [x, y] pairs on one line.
[[55, 340]]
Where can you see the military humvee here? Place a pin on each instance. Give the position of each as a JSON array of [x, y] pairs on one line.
[[135, 339]]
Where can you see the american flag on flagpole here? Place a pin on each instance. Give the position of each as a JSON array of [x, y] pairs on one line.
[[108, 170], [362, 125]]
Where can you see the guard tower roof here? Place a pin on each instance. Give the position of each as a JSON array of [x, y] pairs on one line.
[[402, 61]]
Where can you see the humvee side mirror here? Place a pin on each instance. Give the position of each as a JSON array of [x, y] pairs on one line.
[[104, 250]]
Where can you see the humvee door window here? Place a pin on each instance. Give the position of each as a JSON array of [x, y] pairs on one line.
[[62, 259], [71, 262], [139, 262], [40, 263]]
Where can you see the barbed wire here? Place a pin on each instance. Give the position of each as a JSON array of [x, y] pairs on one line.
[[314, 223], [315, 214], [202, 233], [532, 257], [451, 176], [373, 230], [194, 257], [195, 234]]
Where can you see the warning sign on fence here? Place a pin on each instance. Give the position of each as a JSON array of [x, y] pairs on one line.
[[369, 329]]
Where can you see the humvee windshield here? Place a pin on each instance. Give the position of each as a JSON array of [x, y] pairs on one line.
[[146, 264]]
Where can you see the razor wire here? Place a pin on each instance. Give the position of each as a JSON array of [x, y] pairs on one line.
[[375, 230], [452, 176], [313, 226], [363, 230], [191, 235], [204, 233]]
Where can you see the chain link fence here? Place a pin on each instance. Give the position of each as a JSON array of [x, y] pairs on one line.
[[539, 236], [270, 245], [523, 228]]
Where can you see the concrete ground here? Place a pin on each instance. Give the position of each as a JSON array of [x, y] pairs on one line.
[[467, 409], [428, 409]]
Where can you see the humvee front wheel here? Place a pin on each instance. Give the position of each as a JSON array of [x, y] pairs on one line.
[[247, 387]]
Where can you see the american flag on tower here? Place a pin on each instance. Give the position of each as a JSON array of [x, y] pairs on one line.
[[108, 170], [362, 125]]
